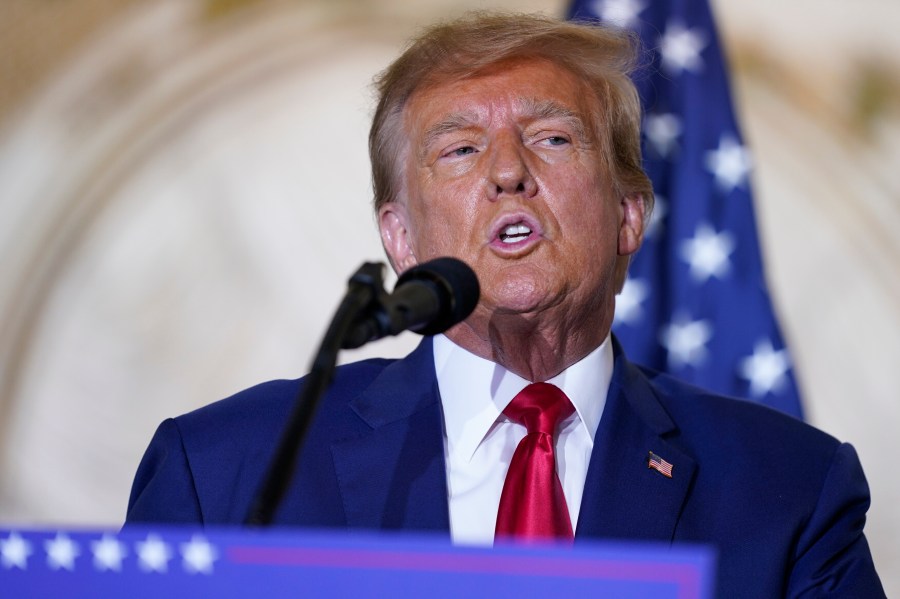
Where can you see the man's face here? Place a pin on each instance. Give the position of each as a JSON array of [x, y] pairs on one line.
[[504, 173]]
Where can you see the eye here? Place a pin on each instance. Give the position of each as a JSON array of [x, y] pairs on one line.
[[556, 140], [463, 151]]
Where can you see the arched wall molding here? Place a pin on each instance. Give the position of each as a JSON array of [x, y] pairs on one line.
[[72, 179], [68, 182]]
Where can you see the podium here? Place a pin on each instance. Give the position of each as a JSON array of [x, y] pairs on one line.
[[273, 563]]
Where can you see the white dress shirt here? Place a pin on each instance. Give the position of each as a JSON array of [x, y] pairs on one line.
[[480, 441]]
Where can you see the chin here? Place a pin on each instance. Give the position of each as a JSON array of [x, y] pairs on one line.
[[521, 295]]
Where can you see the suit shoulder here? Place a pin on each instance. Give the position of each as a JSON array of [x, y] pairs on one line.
[[767, 483], [267, 405], [700, 412]]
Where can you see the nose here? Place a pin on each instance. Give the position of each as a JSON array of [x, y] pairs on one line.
[[508, 170]]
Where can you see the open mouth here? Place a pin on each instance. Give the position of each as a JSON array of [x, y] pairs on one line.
[[514, 233]]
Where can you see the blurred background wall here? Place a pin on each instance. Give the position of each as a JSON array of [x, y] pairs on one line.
[[184, 189]]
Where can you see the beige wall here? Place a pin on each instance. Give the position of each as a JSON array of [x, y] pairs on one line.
[[184, 189]]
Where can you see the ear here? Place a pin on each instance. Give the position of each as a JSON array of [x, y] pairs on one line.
[[631, 234], [631, 226], [394, 224]]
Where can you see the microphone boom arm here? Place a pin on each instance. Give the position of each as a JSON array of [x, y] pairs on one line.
[[364, 288]]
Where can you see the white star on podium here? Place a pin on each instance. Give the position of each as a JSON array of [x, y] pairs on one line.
[[153, 554], [14, 551], [61, 552], [198, 555], [108, 553]]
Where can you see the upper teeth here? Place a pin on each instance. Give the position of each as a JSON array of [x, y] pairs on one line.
[[514, 233]]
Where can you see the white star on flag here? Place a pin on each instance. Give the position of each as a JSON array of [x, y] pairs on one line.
[[702, 174], [662, 131], [685, 340], [707, 253], [766, 369], [108, 553], [198, 555], [730, 163], [660, 209], [153, 554], [680, 48], [628, 302], [622, 13], [61, 552], [14, 551]]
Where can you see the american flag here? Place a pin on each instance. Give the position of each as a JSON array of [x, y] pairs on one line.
[[695, 303], [660, 465]]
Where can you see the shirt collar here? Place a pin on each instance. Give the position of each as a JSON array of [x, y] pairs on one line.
[[475, 391]]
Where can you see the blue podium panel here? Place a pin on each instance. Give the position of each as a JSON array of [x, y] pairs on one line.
[[226, 562]]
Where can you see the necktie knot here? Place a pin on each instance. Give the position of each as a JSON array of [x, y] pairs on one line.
[[540, 407]]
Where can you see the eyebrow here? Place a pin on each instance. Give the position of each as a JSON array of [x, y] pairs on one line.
[[549, 109], [452, 122], [535, 109]]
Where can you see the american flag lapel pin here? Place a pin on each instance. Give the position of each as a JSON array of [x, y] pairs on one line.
[[660, 465]]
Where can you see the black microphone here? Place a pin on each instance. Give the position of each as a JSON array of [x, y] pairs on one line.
[[428, 299]]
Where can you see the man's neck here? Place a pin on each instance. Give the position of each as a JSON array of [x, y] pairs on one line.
[[524, 347]]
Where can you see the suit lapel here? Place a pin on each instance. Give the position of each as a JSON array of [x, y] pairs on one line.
[[394, 477], [623, 497]]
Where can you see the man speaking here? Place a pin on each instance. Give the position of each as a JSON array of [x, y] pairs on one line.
[[512, 143]]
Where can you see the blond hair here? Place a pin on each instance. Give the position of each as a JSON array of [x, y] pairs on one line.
[[601, 56]]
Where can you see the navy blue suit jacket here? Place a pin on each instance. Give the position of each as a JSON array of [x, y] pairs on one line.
[[783, 503]]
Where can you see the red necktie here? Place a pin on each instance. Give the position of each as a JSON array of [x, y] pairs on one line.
[[532, 505]]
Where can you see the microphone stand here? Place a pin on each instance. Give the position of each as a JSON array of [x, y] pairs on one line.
[[365, 287]]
